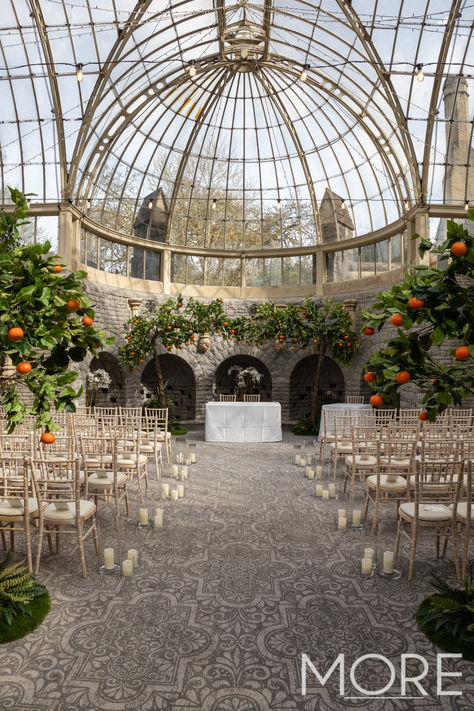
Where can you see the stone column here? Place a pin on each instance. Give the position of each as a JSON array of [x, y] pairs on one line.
[[166, 270]]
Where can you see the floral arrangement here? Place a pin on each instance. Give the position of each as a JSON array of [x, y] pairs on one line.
[[244, 377], [98, 379]]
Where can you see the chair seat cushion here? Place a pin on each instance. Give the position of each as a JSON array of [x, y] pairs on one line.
[[96, 461], [402, 463], [462, 510], [398, 484], [15, 507], [95, 481], [341, 447], [126, 462], [86, 508], [427, 512], [149, 447], [359, 462], [440, 486]]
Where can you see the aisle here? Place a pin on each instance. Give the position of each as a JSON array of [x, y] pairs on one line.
[[248, 574]]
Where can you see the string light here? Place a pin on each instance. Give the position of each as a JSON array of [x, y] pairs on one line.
[[192, 71], [343, 205], [419, 72], [88, 204], [406, 204], [150, 204], [466, 205], [304, 72], [278, 204], [79, 72], [214, 203]]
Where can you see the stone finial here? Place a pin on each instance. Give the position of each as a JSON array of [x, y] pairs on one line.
[[134, 305], [8, 370], [351, 305]]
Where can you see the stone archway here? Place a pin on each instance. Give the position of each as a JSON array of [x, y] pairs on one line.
[[224, 383], [115, 394], [181, 384], [301, 384]]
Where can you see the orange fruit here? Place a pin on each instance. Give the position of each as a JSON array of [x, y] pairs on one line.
[[168, 347], [225, 323], [23, 367], [179, 303], [376, 401], [48, 438], [396, 319], [368, 331], [459, 249], [462, 353], [141, 360], [423, 416], [370, 377], [169, 328], [403, 376], [73, 305], [15, 334], [58, 268], [232, 330], [415, 303], [87, 321]]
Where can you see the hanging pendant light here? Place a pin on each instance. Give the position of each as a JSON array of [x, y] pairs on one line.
[[419, 72], [79, 72]]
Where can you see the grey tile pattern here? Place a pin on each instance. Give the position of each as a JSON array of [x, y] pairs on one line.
[[248, 574]]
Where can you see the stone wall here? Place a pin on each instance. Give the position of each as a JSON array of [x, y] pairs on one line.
[[112, 312]]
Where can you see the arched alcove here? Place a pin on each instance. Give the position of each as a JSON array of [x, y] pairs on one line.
[[180, 384], [225, 383], [301, 384], [115, 393]]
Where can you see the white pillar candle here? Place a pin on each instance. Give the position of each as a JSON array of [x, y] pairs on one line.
[[132, 555], [302, 462], [308, 459], [187, 461], [174, 494], [193, 458], [127, 568], [325, 493], [319, 490], [319, 471], [388, 562], [180, 491], [307, 471], [165, 491], [181, 458], [311, 474], [342, 522], [158, 520], [297, 458], [356, 516], [368, 552], [184, 470], [108, 558], [366, 566], [174, 471], [332, 490], [341, 513], [143, 514]]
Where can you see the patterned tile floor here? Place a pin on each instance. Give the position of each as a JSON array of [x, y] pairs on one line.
[[248, 574]]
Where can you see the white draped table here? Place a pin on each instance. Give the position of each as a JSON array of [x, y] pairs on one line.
[[243, 422], [348, 407]]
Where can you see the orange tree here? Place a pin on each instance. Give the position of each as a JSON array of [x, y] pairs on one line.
[[173, 324], [45, 324], [432, 305], [327, 326]]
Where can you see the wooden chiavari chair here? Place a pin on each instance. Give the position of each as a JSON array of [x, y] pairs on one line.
[[227, 398], [156, 419], [251, 398]]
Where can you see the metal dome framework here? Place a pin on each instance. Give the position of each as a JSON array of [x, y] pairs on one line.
[[244, 150]]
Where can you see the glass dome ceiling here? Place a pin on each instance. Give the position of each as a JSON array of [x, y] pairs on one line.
[[197, 111]]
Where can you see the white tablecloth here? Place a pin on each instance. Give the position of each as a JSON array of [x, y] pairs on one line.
[[243, 422], [330, 409]]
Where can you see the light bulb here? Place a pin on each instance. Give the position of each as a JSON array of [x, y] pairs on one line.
[[466, 205], [419, 72], [79, 72], [343, 205], [406, 204], [192, 71], [278, 204], [150, 204], [304, 72], [214, 204], [88, 204]]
